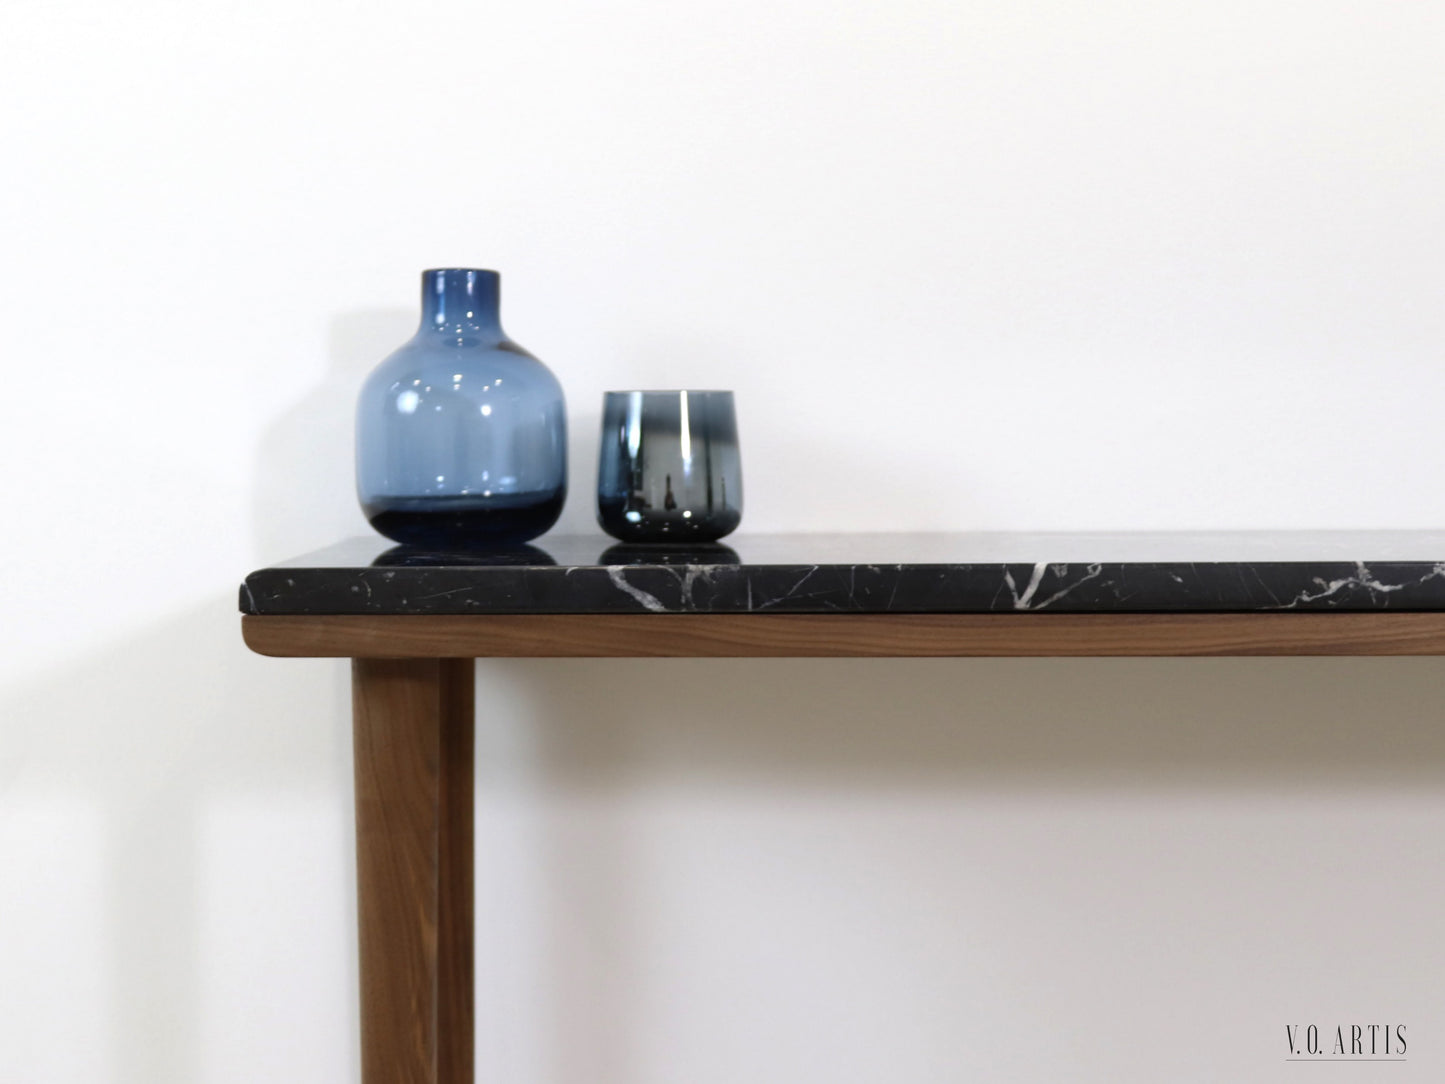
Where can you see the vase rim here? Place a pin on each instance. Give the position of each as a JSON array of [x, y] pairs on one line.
[[461, 270]]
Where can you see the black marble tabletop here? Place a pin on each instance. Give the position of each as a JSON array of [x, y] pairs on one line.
[[880, 573]]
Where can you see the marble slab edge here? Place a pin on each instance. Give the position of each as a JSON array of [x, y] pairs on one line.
[[1162, 587]]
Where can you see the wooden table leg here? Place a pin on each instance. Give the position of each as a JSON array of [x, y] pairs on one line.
[[413, 738]]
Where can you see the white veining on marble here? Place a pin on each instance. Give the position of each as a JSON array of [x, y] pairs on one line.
[[1363, 578], [1025, 601], [1021, 601], [792, 592], [649, 602], [445, 594]]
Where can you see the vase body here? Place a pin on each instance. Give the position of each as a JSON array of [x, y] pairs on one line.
[[461, 435]]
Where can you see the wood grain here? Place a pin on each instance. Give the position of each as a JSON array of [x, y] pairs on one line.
[[413, 753], [847, 635]]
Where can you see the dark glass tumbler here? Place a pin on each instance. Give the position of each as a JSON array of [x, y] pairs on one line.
[[669, 469]]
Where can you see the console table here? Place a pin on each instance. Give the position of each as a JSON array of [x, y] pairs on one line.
[[412, 622]]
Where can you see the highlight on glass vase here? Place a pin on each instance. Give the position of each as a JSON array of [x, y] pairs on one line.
[[461, 435], [668, 469]]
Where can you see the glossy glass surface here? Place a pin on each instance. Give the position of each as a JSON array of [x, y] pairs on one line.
[[668, 469], [461, 435]]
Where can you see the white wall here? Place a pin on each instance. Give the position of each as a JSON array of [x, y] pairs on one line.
[[967, 265]]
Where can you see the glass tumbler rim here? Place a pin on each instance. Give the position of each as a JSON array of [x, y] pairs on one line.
[[669, 390]]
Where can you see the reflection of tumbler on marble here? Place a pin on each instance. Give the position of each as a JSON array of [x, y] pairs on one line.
[[669, 468]]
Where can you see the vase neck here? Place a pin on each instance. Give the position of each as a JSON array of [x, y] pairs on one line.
[[461, 300]]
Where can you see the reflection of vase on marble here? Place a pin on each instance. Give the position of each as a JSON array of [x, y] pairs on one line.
[[461, 435]]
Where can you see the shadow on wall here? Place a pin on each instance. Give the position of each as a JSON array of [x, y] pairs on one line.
[[602, 735], [156, 739], [1142, 723], [305, 482]]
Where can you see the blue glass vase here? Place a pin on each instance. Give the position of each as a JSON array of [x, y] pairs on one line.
[[461, 435]]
